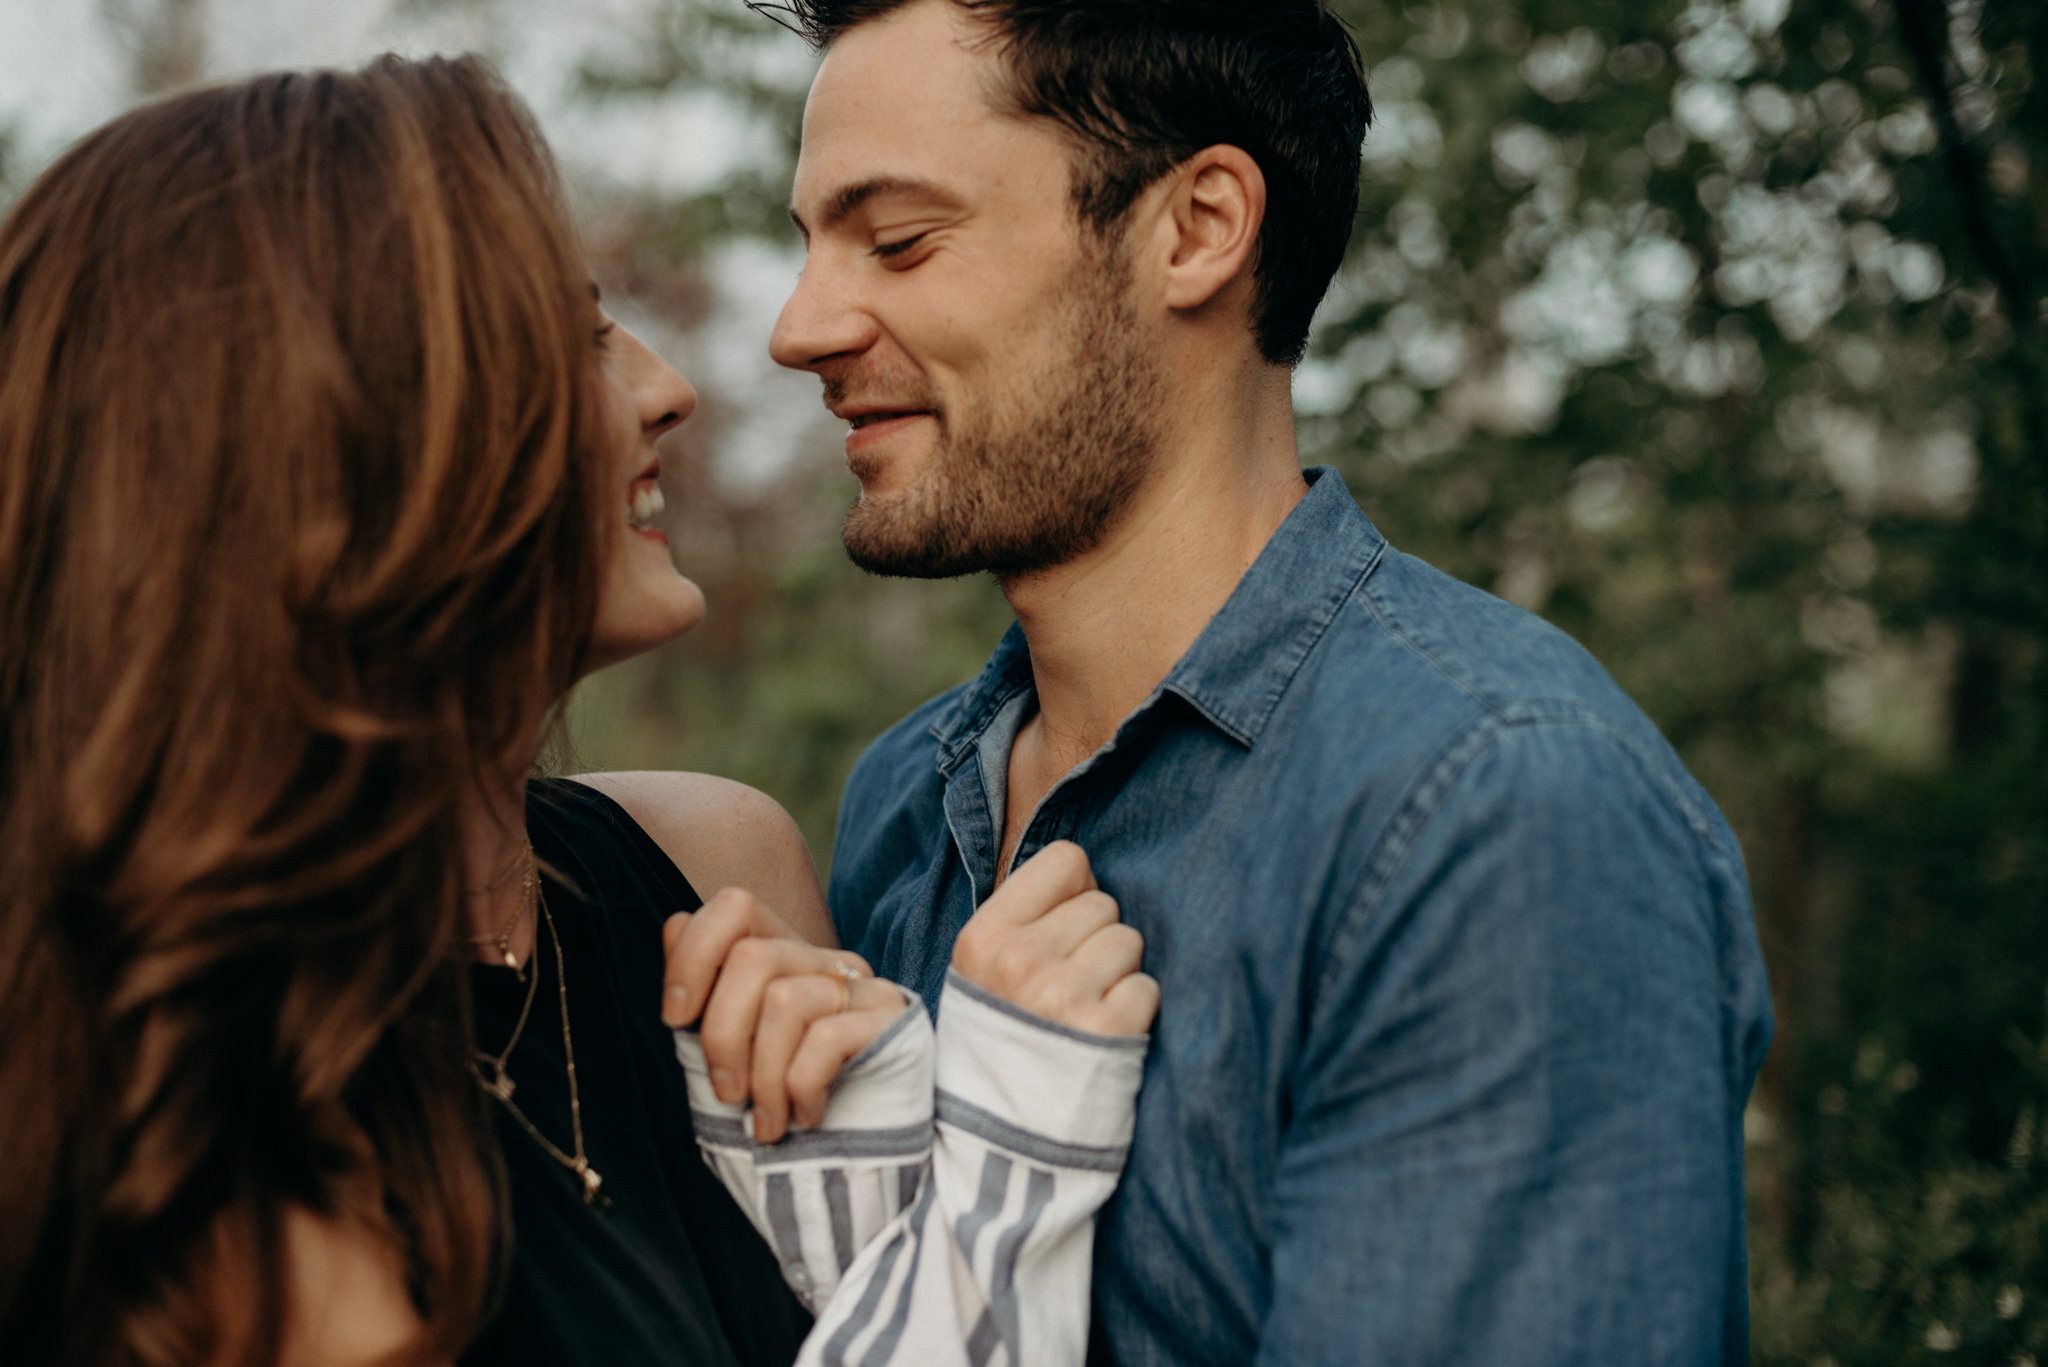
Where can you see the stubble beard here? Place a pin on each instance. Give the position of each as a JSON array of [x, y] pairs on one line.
[[1043, 474]]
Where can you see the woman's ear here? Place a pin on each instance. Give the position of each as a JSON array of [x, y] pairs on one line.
[[1216, 206]]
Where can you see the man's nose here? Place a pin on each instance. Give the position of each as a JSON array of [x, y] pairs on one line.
[[822, 320]]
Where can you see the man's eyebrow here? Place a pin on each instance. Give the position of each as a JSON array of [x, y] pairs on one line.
[[849, 199]]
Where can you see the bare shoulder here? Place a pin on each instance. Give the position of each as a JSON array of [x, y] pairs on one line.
[[723, 834]]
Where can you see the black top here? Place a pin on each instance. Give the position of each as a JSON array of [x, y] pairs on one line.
[[671, 1273]]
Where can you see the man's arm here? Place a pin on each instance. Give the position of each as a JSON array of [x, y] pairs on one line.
[[1516, 1130]]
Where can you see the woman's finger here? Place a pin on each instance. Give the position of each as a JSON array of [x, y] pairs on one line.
[[1130, 1007], [789, 1005], [701, 943], [672, 931], [1109, 955], [830, 1044], [1059, 871], [1064, 929], [733, 1013]]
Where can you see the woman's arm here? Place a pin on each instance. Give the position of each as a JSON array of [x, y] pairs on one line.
[[985, 1244], [723, 834]]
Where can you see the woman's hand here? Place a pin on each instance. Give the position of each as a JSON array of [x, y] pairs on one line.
[[780, 1016], [1049, 941]]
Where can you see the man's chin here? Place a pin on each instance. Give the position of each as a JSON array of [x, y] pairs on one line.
[[881, 544], [891, 547]]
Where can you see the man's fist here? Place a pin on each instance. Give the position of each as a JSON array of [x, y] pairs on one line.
[[1050, 941]]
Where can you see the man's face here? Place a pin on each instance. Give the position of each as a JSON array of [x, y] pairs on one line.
[[984, 346]]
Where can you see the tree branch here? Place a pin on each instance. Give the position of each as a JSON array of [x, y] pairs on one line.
[[1922, 29]]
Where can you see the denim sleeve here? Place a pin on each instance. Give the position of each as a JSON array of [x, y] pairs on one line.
[[1515, 1133]]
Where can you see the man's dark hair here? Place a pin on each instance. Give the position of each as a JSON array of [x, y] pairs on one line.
[[1142, 85]]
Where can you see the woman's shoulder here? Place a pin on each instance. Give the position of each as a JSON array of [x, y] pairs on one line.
[[723, 834]]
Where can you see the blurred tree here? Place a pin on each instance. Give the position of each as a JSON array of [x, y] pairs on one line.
[[166, 41], [1714, 331]]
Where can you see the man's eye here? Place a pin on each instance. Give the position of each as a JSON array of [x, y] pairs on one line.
[[885, 250]]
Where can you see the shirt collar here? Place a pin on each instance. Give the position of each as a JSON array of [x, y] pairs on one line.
[[1240, 666]]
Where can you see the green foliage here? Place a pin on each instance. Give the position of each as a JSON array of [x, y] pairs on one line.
[[1717, 332], [1915, 1264]]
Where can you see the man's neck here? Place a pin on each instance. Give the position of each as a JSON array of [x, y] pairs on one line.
[[1107, 627]]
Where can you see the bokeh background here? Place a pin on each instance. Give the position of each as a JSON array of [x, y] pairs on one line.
[[1716, 331]]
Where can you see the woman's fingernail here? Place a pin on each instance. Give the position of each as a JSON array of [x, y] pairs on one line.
[[675, 1005], [721, 1083]]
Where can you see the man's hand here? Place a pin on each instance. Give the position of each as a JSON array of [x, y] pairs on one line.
[[1049, 941], [780, 1016]]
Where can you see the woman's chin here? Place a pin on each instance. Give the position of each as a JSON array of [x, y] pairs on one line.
[[649, 620]]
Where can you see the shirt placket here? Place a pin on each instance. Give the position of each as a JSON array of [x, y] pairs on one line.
[[972, 826]]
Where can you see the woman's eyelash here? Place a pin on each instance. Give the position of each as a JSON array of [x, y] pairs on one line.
[[605, 332], [888, 249]]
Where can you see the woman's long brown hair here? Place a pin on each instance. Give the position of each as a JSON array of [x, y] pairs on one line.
[[300, 539]]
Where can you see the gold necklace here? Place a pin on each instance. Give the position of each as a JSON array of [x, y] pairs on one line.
[[529, 891], [500, 1086], [499, 1083]]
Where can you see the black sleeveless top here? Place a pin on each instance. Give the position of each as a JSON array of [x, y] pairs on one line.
[[672, 1273]]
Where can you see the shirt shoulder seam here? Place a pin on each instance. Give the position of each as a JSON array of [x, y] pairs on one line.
[[1462, 749], [1384, 616]]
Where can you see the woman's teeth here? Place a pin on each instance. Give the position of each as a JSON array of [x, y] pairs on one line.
[[647, 505]]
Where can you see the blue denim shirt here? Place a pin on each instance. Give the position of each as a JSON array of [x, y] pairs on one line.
[[1462, 997]]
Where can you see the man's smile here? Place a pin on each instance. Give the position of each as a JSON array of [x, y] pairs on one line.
[[870, 427]]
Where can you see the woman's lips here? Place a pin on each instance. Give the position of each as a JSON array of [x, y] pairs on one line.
[[644, 503]]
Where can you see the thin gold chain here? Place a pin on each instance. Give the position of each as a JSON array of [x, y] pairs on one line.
[[529, 893], [501, 1088], [499, 1083]]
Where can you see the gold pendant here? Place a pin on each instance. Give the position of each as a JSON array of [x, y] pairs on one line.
[[592, 1196]]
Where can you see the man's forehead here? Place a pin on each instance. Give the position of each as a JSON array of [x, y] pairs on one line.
[[894, 99]]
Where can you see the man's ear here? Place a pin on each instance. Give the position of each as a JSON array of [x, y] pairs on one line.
[[1217, 205]]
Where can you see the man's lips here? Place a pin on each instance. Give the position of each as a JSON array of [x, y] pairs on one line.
[[871, 426]]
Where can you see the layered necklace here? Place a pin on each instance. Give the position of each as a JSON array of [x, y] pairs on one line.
[[497, 1082], [529, 893]]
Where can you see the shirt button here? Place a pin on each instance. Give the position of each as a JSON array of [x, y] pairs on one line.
[[800, 1279]]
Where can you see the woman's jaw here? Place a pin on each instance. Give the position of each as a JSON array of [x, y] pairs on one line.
[[643, 602]]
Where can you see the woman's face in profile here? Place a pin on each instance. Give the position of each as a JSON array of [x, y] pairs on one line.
[[644, 602]]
